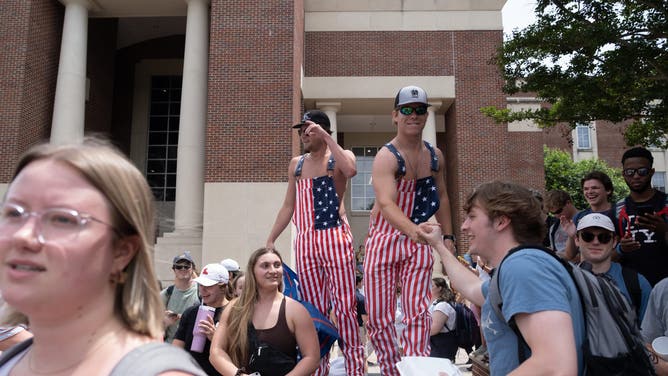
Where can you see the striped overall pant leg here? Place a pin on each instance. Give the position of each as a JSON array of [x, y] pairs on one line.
[[392, 258], [326, 267]]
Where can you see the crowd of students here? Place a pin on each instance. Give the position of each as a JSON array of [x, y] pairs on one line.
[[76, 266]]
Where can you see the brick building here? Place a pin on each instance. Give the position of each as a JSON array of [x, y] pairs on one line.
[[201, 95]]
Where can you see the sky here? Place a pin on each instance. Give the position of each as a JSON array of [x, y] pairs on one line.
[[517, 14]]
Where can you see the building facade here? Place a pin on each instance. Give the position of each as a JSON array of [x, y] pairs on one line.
[[201, 95]]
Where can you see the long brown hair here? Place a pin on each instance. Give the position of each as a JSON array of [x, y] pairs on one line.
[[242, 309]]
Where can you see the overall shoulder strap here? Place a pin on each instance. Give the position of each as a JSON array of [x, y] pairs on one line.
[[331, 163], [401, 164], [434, 158], [300, 164]]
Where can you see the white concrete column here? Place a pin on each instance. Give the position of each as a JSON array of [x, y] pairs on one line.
[[331, 109], [188, 212], [70, 100], [429, 131]]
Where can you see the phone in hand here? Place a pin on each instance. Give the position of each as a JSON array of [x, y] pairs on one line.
[[643, 210]]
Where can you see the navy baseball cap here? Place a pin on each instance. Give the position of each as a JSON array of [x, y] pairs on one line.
[[317, 117]]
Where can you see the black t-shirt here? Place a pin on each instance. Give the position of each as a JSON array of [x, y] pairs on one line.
[[361, 309], [652, 257], [185, 334]]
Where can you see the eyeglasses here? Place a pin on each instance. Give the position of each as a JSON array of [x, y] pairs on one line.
[[642, 171], [54, 224], [407, 110], [181, 267], [557, 212], [603, 237]]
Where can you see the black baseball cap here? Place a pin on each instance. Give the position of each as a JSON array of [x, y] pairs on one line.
[[317, 117]]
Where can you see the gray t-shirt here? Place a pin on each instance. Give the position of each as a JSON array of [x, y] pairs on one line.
[[178, 302], [655, 322]]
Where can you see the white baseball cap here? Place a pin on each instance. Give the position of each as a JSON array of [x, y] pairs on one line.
[[410, 94], [230, 265], [213, 274], [596, 220]]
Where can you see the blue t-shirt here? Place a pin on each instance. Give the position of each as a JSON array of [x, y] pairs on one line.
[[531, 281], [615, 273]]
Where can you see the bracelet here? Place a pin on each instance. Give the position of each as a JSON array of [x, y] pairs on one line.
[[451, 237]]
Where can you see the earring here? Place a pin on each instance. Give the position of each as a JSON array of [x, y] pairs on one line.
[[118, 277]]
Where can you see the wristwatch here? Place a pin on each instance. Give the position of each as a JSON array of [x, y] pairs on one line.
[[451, 237]]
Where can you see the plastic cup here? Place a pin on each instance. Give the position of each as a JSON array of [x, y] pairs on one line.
[[660, 346], [199, 338]]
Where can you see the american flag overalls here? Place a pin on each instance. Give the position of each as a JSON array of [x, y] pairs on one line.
[[392, 256], [326, 261]]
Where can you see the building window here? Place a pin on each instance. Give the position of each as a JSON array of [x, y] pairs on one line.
[[583, 133], [163, 136], [362, 194], [659, 180]]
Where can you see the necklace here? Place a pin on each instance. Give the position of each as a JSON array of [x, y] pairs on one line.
[[411, 165]]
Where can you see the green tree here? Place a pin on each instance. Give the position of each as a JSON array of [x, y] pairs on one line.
[[562, 173], [592, 60]]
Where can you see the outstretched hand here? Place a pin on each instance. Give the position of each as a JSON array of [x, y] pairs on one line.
[[431, 232]]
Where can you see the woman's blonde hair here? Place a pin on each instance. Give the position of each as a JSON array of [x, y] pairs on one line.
[[241, 313], [137, 301]]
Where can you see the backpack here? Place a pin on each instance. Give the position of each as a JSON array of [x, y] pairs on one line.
[[613, 344], [327, 332], [466, 328]]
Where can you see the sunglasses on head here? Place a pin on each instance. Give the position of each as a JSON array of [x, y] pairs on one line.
[[407, 110], [603, 237], [642, 171], [181, 267]]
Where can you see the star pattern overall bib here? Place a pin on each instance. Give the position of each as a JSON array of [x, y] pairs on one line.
[[326, 261], [392, 256]]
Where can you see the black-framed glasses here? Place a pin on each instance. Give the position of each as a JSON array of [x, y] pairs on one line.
[[181, 267], [603, 237], [407, 110], [54, 224], [642, 171]]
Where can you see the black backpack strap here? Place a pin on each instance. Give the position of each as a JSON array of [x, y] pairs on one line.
[[496, 301], [633, 286], [8, 354], [168, 293]]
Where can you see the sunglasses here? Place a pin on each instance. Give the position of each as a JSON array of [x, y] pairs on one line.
[[603, 237], [557, 212], [642, 171], [181, 267], [406, 110]]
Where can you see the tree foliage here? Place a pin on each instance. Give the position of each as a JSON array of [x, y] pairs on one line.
[[592, 60], [562, 173]]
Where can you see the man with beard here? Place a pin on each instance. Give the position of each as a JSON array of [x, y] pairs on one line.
[[323, 243], [641, 218]]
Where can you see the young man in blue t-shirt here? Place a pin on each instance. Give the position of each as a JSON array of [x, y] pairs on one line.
[[537, 291]]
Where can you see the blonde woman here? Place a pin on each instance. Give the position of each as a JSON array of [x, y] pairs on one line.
[[261, 330], [76, 232]]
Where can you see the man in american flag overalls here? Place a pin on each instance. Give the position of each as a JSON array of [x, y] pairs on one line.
[[408, 180], [323, 243]]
